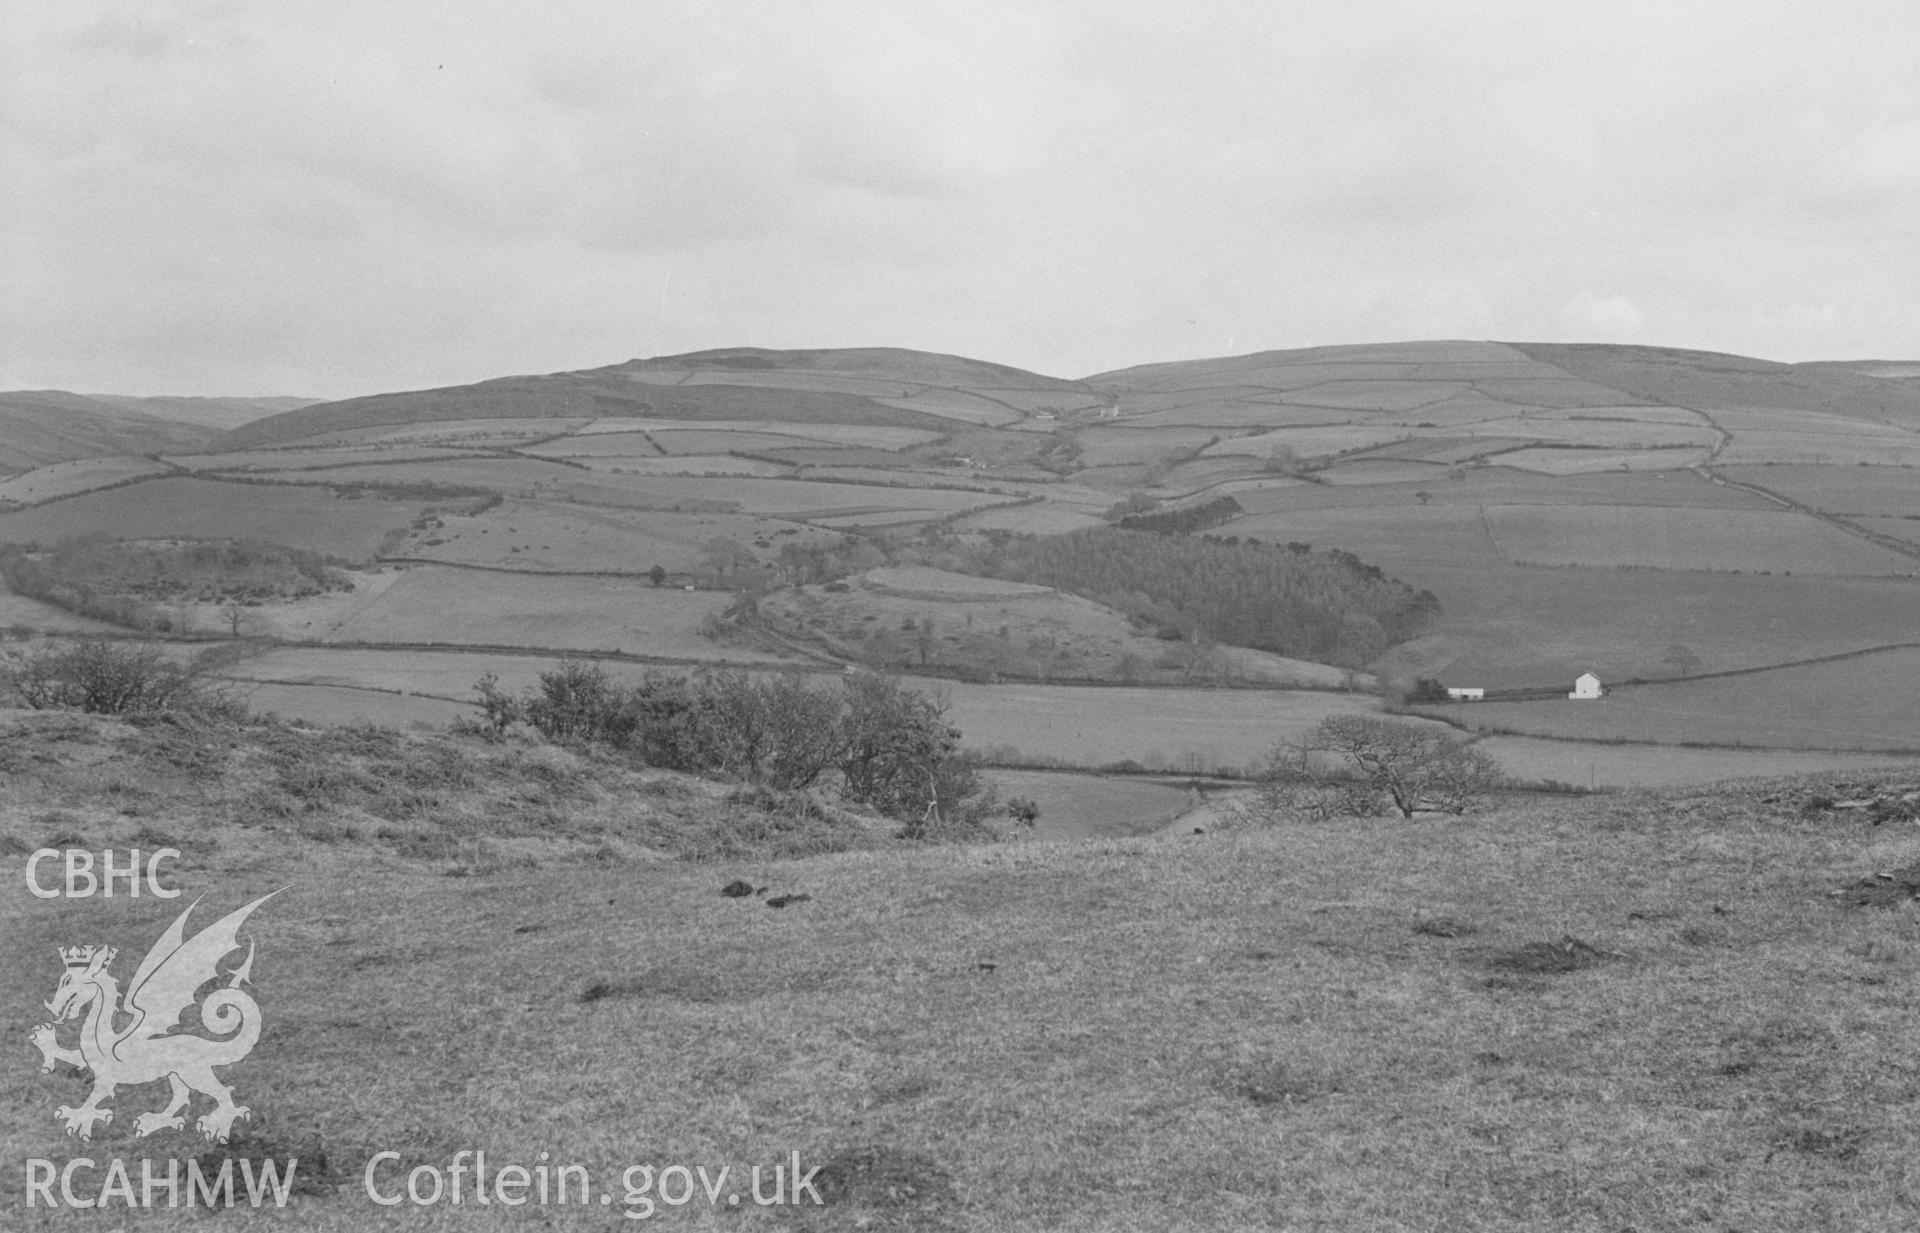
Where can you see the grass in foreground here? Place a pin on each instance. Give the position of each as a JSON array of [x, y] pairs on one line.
[[1638, 1011]]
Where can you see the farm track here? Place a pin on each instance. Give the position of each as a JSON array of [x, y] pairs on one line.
[[539, 652], [632, 575]]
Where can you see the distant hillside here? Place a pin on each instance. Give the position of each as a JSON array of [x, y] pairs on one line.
[[1710, 380], [871, 386], [38, 427], [208, 412], [879, 363], [1462, 379]]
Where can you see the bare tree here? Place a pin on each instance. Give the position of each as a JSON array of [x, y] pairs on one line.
[[1361, 766]]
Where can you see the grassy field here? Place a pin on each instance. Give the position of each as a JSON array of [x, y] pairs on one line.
[[1180, 729], [311, 459], [1693, 539], [448, 604], [440, 674], [688, 464], [297, 516], [1579, 461], [1642, 1012], [1882, 491], [1831, 449], [1589, 765], [342, 704], [64, 479], [555, 535], [1441, 538], [1074, 807], [1866, 702], [507, 430], [1511, 626], [1501, 485], [879, 436]]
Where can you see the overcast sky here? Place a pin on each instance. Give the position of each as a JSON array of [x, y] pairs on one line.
[[333, 197]]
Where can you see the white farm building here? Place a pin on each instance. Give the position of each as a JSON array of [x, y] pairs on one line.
[[1586, 685]]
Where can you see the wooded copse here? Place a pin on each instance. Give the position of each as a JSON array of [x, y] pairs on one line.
[[125, 582], [1328, 606], [891, 745]]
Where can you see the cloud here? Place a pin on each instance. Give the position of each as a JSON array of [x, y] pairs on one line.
[[1601, 318], [354, 195]]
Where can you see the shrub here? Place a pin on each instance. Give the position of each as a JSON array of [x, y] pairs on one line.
[[106, 677], [891, 745]]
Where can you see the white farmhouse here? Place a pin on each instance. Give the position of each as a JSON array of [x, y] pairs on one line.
[[1586, 685], [1472, 693]]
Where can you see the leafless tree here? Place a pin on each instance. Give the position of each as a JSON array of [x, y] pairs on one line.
[[1361, 766]]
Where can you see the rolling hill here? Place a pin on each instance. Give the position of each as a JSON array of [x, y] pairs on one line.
[[870, 386], [38, 427]]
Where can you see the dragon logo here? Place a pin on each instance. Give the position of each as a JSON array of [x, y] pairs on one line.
[[148, 1048]]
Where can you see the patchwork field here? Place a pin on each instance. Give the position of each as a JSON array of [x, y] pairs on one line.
[[1547, 495], [298, 516]]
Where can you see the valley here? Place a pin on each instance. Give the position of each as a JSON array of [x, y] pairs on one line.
[[1661, 518]]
